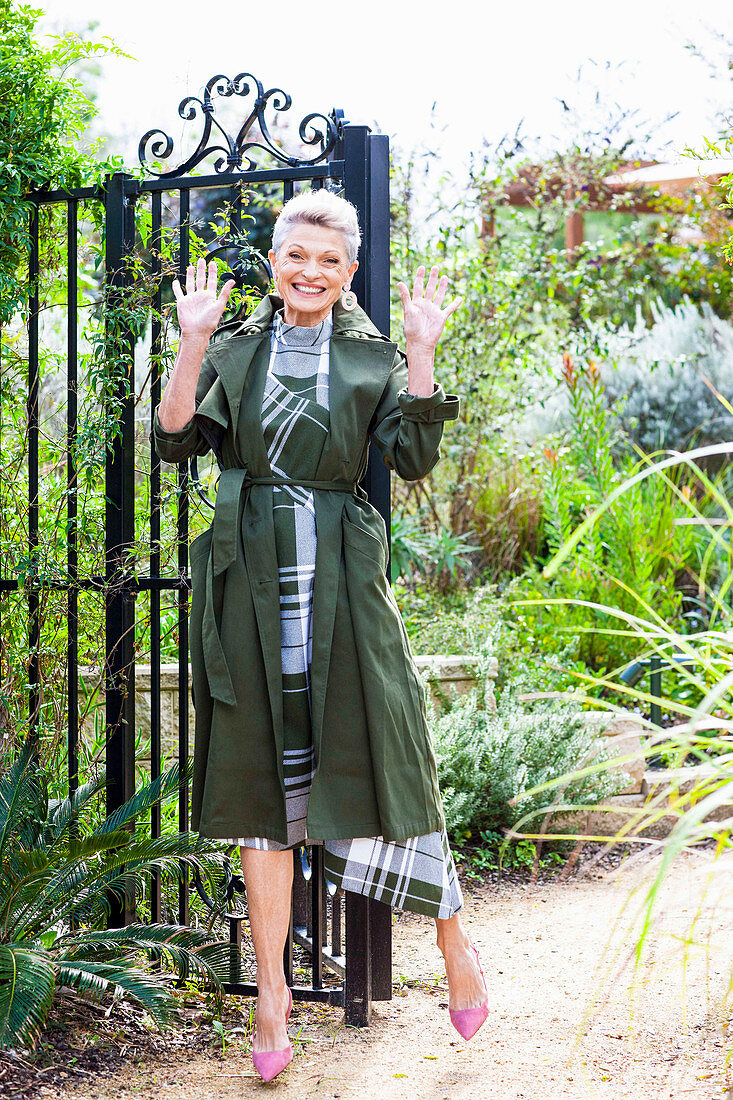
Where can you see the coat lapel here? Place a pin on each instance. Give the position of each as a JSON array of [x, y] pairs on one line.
[[359, 364]]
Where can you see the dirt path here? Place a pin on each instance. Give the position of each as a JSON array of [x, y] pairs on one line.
[[569, 1019]]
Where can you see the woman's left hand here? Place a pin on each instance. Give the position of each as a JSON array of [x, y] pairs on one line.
[[424, 318]]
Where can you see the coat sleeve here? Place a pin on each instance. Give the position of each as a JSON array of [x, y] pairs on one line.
[[203, 432], [408, 429]]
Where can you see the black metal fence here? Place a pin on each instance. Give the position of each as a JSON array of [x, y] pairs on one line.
[[347, 157]]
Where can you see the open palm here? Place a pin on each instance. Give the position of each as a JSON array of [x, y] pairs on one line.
[[200, 308], [424, 317]]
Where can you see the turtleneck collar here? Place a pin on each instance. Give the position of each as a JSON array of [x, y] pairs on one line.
[[302, 336]]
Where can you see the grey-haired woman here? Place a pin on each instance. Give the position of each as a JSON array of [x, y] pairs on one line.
[[311, 721]]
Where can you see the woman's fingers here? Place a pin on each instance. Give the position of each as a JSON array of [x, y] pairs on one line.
[[177, 290], [417, 291], [440, 292], [449, 309], [404, 294], [226, 290], [432, 283], [201, 274], [190, 280], [211, 277]]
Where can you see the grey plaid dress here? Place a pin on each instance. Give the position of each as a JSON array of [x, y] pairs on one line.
[[419, 873]]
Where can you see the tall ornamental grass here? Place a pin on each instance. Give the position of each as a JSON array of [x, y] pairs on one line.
[[697, 806]]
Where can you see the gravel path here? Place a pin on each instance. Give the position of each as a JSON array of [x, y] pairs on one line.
[[571, 1017]]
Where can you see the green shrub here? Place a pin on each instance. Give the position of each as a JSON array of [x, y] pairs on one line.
[[486, 759]]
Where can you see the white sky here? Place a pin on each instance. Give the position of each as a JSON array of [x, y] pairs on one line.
[[485, 66]]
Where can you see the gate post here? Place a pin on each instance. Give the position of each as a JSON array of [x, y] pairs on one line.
[[119, 669], [366, 185]]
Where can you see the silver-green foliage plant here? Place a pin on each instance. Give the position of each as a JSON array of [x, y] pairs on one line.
[[57, 874], [487, 759], [663, 380]]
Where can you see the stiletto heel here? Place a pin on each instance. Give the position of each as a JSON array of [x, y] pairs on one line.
[[467, 1021], [269, 1063]]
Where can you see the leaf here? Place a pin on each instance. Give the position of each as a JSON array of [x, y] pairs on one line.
[[27, 983], [165, 786], [97, 978], [191, 950], [22, 798]]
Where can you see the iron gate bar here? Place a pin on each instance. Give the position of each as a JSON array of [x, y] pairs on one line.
[[72, 658], [184, 223], [120, 530], [156, 345], [302, 173], [34, 636], [61, 194], [366, 180]]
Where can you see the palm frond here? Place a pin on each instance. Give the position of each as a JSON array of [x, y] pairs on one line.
[[27, 983], [63, 811], [126, 870], [23, 799], [191, 950], [97, 978], [78, 888], [33, 901], [165, 786]]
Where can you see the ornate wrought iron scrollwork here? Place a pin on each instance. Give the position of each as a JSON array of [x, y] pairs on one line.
[[231, 885], [316, 129]]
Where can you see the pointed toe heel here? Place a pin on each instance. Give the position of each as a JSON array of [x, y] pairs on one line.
[[467, 1021], [269, 1063]]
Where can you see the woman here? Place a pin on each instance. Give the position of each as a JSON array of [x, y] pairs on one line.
[[310, 714]]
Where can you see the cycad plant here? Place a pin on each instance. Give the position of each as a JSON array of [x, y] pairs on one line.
[[58, 870]]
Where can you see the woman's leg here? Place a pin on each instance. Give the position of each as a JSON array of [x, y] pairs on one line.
[[465, 984], [268, 877]]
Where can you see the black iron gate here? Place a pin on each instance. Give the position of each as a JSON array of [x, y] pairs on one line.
[[346, 157]]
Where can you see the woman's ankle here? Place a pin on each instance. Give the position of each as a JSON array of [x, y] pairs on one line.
[[451, 936], [271, 984]]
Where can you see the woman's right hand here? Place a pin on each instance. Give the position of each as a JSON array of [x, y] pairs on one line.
[[200, 308]]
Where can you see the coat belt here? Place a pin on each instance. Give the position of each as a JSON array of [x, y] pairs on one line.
[[223, 553]]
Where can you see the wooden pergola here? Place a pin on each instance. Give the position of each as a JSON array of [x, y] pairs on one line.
[[635, 188]]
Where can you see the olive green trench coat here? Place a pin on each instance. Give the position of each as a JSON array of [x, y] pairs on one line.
[[375, 771]]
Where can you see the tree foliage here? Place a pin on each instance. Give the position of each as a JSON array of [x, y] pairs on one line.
[[44, 111]]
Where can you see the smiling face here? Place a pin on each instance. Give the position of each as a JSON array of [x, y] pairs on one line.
[[311, 269]]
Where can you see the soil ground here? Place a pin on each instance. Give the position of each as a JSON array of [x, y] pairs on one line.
[[571, 1017]]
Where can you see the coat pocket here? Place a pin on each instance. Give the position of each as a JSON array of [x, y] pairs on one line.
[[365, 542]]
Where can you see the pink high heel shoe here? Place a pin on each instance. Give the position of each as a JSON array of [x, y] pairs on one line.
[[269, 1063], [467, 1021]]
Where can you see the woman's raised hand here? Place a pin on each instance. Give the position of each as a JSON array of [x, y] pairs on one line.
[[424, 318], [200, 308]]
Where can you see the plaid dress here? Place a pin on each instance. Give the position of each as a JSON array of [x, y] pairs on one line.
[[419, 873]]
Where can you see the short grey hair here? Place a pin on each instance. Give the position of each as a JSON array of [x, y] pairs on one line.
[[320, 207]]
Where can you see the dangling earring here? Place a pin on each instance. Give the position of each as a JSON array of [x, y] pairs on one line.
[[348, 300]]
